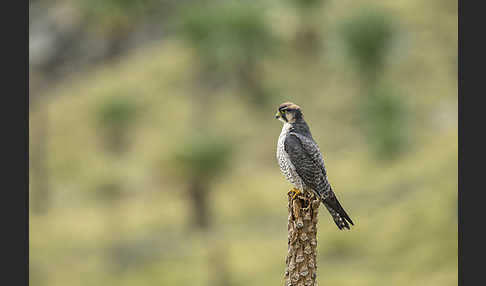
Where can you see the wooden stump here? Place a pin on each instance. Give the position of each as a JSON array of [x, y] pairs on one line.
[[301, 266]]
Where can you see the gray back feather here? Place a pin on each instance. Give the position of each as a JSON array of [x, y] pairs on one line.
[[307, 159]]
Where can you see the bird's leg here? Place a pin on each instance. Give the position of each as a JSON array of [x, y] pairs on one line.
[[295, 192]]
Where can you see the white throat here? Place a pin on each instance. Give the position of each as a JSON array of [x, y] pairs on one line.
[[285, 129]]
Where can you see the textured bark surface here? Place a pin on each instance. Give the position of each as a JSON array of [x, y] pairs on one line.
[[301, 266]]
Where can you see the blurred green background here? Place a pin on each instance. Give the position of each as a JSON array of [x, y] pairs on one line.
[[153, 139]]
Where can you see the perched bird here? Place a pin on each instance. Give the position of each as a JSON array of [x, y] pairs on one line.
[[301, 162]]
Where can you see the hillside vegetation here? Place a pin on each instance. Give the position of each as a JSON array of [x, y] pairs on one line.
[[123, 218]]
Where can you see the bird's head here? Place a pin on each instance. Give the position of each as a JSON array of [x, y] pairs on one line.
[[288, 112]]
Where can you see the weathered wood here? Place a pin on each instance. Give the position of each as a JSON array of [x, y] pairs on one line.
[[301, 266]]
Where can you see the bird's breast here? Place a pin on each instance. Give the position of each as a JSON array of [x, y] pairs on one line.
[[282, 156], [286, 166]]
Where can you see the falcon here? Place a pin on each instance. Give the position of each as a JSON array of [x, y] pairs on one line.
[[301, 162]]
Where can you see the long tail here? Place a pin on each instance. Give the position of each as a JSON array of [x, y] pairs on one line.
[[341, 218]]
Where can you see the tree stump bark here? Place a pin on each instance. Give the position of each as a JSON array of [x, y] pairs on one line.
[[301, 266]]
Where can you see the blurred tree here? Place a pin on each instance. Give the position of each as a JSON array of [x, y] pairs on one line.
[[367, 37], [132, 254], [118, 19], [198, 161], [308, 38], [115, 116], [71, 36], [110, 193], [230, 39], [386, 121]]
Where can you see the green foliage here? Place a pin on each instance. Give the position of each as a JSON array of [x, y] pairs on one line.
[[385, 115], [367, 37], [230, 39], [226, 33], [109, 191], [307, 4], [117, 112], [203, 157], [200, 159], [115, 116], [113, 15]]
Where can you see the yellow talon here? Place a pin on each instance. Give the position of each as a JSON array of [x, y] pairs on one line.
[[295, 191]]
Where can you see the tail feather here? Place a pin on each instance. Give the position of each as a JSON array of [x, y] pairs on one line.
[[339, 215]]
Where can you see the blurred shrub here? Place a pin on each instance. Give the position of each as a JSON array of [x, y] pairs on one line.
[[307, 4], [225, 34], [229, 38], [115, 116], [204, 157], [116, 20], [112, 15], [367, 36], [198, 161], [308, 37], [133, 254], [386, 123], [109, 192]]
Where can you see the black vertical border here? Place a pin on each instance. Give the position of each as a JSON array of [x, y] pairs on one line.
[[472, 127], [14, 124]]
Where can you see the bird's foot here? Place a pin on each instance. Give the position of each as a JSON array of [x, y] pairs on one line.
[[295, 192]]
